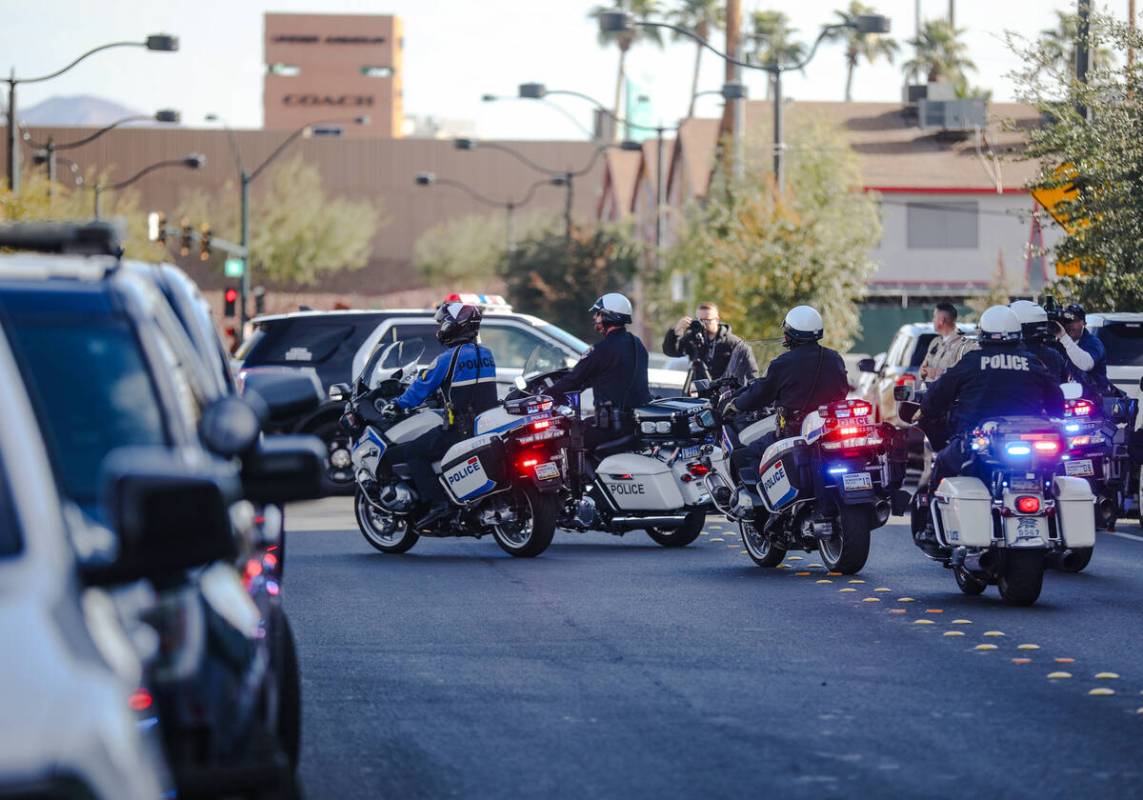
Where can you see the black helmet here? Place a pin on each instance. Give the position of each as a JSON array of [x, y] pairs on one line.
[[459, 323], [1073, 313]]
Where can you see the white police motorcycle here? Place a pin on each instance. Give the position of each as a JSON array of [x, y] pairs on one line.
[[504, 480]]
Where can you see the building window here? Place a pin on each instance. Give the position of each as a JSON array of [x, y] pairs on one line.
[[943, 225]]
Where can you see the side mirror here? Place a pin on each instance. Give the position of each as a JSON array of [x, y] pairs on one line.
[[867, 365], [339, 392], [522, 384], [283, 469], [1074, 391], [230, 426], [169, 515], [702, 385], [907, 410], [902, 393], [288, 393]]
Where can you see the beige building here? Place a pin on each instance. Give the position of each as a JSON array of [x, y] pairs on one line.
[[334, 67]]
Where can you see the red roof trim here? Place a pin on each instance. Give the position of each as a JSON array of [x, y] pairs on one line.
[[943, 190]]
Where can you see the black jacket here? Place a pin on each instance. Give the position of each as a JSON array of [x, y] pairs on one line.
[[615, 370], [994, 381], [1053, 361], [800, 380], [714, 354]]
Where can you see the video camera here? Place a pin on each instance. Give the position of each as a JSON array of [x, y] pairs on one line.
[[1054, 309], [696, 328]]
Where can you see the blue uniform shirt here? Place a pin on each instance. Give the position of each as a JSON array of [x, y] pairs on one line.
[[473, 385], [1094, 379]]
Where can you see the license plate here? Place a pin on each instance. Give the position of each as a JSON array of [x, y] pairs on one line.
[[856, 481], [547, 471], [1080, 469], [1027, 528]]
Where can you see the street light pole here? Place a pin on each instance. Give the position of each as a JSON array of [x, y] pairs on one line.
[[189, 161]]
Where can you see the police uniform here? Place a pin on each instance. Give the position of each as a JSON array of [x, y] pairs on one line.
[[994, 381], [616, 372], [1055, 364], [466, 377]]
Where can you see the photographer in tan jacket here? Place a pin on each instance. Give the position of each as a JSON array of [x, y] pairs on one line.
[[947, 346]]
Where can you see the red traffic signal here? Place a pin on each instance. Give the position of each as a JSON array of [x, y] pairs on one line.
[[231, 301]]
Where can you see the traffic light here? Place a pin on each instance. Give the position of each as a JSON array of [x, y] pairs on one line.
[[230, 301], [259, 300], [204, 242], [186, 238], [157, 227]]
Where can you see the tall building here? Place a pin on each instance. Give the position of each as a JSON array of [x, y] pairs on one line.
[[334, 66]]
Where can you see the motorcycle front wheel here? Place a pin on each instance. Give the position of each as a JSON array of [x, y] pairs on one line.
[[535, 524], [759, 547], [847, 550], [384, 532]]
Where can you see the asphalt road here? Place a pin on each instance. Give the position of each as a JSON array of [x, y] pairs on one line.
[[614, 668]]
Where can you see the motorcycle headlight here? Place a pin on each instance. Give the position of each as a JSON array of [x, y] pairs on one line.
[[663, 426], [647, 427]]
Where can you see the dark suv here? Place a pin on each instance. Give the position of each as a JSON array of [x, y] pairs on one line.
[[109, 365]]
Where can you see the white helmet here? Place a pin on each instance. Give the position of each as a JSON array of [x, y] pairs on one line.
[[999, 324], [614, 308], [1028, 312], [803, 325]]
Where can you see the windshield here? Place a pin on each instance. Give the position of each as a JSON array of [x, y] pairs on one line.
[[384, 361], [578, 345], [544, 358], [1124, 344], [92, 392]]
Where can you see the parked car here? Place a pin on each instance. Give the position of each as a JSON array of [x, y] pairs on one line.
[[334, 346], [109, 365], [67, 728], [1122, 336]]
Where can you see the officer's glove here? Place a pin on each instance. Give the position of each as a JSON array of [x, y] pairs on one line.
[[390, 410], [726, 407]]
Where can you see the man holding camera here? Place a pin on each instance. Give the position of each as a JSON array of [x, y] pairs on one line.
[[707, 341], [1085, 354]]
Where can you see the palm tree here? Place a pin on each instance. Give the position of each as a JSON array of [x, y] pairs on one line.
[[940, 54], [1058, 46], [625, 40], [699, 16], [858, 46], [773, 40]]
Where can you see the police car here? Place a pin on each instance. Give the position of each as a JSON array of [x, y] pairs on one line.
[[1122, 336]]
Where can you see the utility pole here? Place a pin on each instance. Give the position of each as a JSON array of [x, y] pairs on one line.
[[1131, 31], [1083, 30], [952, 14], [734, 110]]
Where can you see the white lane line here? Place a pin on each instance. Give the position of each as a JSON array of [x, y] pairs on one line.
[[1131, 536]]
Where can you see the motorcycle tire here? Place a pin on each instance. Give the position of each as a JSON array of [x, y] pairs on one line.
[[681, 536], [761, 549], [1021, 577], [848, 549], [529, 539], [968, 583], [289, 691], [1075, 560], [396, 540]]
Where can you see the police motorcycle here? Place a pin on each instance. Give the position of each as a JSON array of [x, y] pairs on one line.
[[650, 480], [824, 489], [1009, 510], [505, 480]]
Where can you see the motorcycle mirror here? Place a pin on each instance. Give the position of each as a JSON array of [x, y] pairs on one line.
[[1073, 391], [866, 365], [902, 392], [907, 410], [521, 384]]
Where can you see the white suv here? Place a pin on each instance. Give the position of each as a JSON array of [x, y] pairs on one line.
[[1122, 336]]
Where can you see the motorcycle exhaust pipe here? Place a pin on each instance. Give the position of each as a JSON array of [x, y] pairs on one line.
[[635, 523], [980, 561], [883, 509], [1105, 507]]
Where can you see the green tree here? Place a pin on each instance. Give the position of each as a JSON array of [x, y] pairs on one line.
[[558, 279], [941, 56], [773, 40], [297, 231], [757, 254], [1098, 158], [1058, 46], [463, 253], [626, 40], [859, 46], [700, 17]]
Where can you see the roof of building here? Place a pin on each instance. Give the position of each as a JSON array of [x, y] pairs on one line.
[[621, 169], [649, 163]]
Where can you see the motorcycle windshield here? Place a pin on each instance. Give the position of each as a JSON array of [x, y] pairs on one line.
[[543, 359], [394, 360]]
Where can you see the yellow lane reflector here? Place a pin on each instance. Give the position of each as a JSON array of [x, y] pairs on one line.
[[962, 622], [881, 589], [1106, 676], [1139, 711], [717, 539], [905, 600], [1027, 647], [847, 590], [934, 611], [801, 574], [1065, 661], [985, 647], [1058, 675], [794, 558], [1021, 661], [871, 599], [923, 622], [856, 580], [1103, 691], [783, 566], [824, 580], [953, 633], [993, 634], [834, 574], [897, 611]]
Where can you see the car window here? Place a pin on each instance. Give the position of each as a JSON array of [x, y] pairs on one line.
[[1124, 344], [578, 346], [92, 393], [300, 342], [922, 347], [11, 543], [511, 345]]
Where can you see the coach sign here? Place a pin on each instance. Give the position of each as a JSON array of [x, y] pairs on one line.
[[322, 66]]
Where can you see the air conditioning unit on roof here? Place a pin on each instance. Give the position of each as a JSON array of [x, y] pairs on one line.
[[952, 115]]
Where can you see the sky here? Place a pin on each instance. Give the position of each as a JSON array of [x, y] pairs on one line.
[[458, 50]]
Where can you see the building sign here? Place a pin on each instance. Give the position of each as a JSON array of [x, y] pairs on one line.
[[287, 38], [336, 100]]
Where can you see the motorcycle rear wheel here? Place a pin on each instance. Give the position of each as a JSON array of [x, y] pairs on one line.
[[681, 536], [531, 534], [760, 548], [1022, 577], [383, 532], [1075, 560], [848, 549]]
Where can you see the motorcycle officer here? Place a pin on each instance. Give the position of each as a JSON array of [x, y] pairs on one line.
[[1086, 356], [615, 370], [707, 341], [1036, 332], [465, 375], [999, 379], [798, 381]]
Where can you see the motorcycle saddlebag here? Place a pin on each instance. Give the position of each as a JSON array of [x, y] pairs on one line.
[[1074, 501], [476, 472], [962, 508], [786, 476]]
